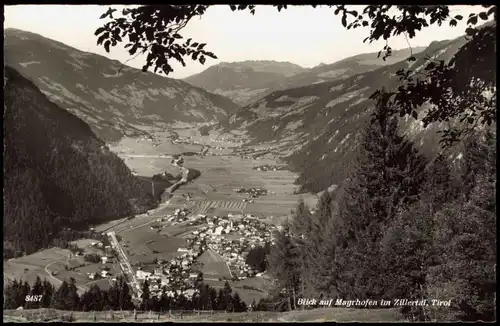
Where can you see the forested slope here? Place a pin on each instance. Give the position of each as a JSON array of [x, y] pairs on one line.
[[57, 173]]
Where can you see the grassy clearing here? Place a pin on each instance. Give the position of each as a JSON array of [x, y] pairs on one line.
[[53, 260], [29, 267], [213, 265], [143, 244]]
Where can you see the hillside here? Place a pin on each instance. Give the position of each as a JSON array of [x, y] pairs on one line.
[[318, 127], [247, 81], [113, 102], [244, 81], [57, 173]]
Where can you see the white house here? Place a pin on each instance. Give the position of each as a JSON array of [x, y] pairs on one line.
[[105, 273], [142, 274], [218, 230], [189, 293], [104, 260]]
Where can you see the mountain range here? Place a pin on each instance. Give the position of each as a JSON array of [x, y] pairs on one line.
[[247, 81], [115, 100], [317, 127], [310, 117]]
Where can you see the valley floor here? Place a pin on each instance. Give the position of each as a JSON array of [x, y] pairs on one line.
[[213, 193]]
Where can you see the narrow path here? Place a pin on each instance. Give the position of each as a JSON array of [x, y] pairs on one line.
[[80, 288]]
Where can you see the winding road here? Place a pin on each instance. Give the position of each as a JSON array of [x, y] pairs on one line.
[[80, 288]]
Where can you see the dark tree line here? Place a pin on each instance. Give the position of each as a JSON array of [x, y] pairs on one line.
[[402, 226], [257, 257], [92, 258], [119, 297], [58, 175]]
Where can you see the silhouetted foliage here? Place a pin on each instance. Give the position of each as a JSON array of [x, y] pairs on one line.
[[256, 257]]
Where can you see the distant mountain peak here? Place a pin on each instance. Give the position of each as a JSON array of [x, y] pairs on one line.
[[113, 103]]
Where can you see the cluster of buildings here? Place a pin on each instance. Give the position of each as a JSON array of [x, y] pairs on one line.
[[253, 192], [267, 167], [176, 275], [180, 215], [104, 273], [232, 237]]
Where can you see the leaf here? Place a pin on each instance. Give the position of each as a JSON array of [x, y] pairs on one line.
[[106, 45], [483, 16], [459, 17], [412, 58], [233, 7], [414, 114], [99, 31], [379, 53], [344, 20], [201, 46], [202, 60], [365, 23], [195, 44], [133, 49], [453, 22], [470, 31], [472, 20], [101, 39], [177, 36]]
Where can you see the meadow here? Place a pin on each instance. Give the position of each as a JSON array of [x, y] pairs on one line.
[[50, 264]]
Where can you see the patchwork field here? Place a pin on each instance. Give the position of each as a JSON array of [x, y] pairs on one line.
[[221, 176]]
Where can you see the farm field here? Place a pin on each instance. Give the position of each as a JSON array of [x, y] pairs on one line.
[[214, 191], [29, 267], [221, 176], [143, 245], [213, 265], [250, 289], [44, 262]]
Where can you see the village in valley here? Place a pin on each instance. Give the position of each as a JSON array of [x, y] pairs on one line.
[[230, 237]]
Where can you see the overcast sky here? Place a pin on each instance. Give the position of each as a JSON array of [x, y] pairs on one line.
[[302, 35]]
